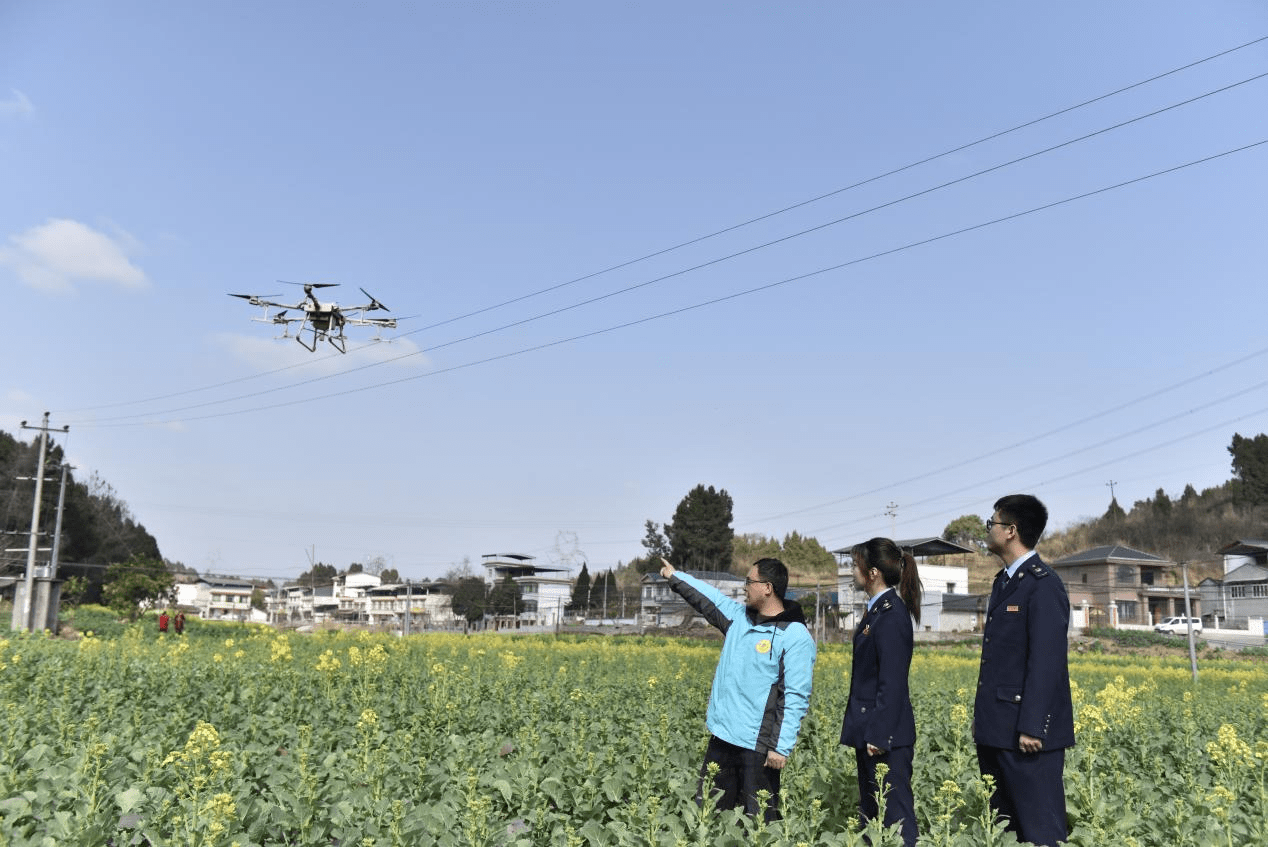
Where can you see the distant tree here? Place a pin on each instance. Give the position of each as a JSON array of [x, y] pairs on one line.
[[1190, 496], [258, 599], [318, 575], [135, 582], [470, 598], [1161, 504], [1250, 467], [356, 567], [967, 531], [655, 543], [751, 546], [581, 589], [1115, 512], [389, 576], [700, 534], [504, 598], [805, 555]]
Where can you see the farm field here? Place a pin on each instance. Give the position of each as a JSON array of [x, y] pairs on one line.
[[239, 735]]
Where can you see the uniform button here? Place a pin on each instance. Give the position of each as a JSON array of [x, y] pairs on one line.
[[1016, 698]]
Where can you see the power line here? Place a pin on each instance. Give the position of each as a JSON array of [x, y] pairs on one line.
[[696, 306], [764, 217]]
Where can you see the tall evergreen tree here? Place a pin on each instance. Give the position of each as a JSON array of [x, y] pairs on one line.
[[1250, 465], [581, 589], [700, 534]]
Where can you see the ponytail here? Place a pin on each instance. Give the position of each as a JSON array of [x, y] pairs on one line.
[[896, 566], [909, 586]]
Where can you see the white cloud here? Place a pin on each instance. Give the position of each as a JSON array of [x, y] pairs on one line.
[[17, 106], [52, 256]]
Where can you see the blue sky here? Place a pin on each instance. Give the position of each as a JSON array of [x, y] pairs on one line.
[[914, 340]]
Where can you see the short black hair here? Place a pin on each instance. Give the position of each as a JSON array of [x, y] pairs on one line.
[[774, 572], [1025, 512]]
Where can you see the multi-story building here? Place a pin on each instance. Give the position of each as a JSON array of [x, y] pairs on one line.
[[661, 606], [1240, 599], [1114, 585], [218, 598], [938, 578], [544, 591]]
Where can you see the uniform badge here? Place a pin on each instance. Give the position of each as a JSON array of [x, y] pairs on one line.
[[1014, 609], [763, 646], [867, 629]]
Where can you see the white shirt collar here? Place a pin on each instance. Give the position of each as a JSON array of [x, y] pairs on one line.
[[1012, 569]]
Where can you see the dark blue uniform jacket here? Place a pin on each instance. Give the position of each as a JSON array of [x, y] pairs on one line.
[[879, 709], [1024, 682]]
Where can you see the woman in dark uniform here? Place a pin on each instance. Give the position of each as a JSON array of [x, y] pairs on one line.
[[879, 723]]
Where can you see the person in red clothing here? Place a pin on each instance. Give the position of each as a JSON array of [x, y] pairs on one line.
[[179, 623], [163, 622]]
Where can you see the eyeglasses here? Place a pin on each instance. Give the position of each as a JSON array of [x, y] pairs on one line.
[[748, 582], [991, 523]]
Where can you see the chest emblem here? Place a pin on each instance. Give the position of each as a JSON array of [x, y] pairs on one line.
[[867, 628], [1014, 609], [763, 646]]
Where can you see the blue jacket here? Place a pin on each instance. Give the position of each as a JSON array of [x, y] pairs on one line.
[[1023, 685], [879, 709], [761, 690]]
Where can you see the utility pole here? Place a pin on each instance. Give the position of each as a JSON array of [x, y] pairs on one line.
[[892, 511], [1111, 485], [1188, 622], [57, 526], [22, 616]]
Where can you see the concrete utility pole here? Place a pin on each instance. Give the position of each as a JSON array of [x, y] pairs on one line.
[[57, 526], [892, 511], [22, 614], [1188, 622]]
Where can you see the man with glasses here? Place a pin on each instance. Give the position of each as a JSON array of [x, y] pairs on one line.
[[761, 689], [1023, 719]]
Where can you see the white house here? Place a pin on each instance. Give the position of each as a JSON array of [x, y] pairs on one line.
[[218, 598], [544, 591], [1240, 599], [936, 578]]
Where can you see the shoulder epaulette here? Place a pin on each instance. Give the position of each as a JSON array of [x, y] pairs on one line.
[[1039, 571]]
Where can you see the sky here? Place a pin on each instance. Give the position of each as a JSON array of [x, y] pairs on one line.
[[865, 266]]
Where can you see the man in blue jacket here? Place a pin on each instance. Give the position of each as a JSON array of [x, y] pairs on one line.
[[761, 689], [1023, 719]]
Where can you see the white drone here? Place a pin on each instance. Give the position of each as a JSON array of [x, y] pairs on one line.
[[324, 320]]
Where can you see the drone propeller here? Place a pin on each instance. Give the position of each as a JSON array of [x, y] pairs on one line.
[[374, 304], [280, 317], [311, 284], [254, 296]]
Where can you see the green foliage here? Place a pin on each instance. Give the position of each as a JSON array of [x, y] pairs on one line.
[[967, 530], [136, 582], [700, 534], [470, 598], [1250, 466], [581, 590], [1137, 638], [504, 598], [803, 555], [318, 575], [100, 621], [259, 738], [654, 543], [1115, 512]]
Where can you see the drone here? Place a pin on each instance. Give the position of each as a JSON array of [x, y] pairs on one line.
[[320, 321]]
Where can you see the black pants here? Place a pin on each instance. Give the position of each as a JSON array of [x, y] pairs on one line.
[[1029, 792], [741, 774], [899, 804]]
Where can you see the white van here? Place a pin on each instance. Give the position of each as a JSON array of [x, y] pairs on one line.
[[1178, 626]]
